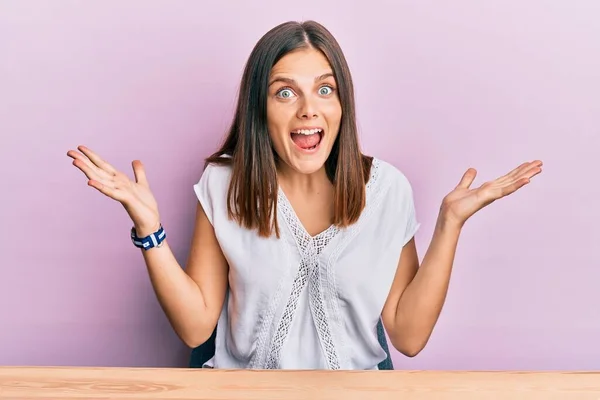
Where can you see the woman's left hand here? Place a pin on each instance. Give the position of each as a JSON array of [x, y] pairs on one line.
[[460, 204]]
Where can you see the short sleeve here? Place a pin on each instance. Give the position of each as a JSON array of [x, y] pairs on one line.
[[406, 208], [204, 192], [410, 214]]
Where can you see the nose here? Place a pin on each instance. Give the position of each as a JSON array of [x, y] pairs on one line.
[[307, 109]]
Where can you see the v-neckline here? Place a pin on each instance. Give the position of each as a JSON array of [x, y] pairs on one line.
[[296, 220], [323, 239]]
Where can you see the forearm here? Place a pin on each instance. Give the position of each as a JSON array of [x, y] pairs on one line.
[[179, 296], [421, 302]]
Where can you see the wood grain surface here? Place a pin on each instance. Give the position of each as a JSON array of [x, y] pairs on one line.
[[52, 383]]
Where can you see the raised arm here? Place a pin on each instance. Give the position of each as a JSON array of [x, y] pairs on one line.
[[192, 298], [418, 292]]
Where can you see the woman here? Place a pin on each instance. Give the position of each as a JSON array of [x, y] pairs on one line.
[[301, 242]]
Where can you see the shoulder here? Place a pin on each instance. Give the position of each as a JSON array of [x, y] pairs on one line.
[[216, 173], [398, 202], [218, 170], [391, 177], [212, 187]]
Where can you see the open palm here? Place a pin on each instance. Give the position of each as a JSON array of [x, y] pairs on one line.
[[135, 196], [464, 201]]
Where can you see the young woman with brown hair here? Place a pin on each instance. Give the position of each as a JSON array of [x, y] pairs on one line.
[[302, 243]]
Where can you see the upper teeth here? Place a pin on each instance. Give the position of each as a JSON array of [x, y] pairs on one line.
[[307, 131]]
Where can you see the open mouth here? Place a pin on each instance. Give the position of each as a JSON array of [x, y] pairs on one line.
[[307, 139]]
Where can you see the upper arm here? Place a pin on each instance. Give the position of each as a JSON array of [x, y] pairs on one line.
[[408, 263], [207, 265], [405, 273]]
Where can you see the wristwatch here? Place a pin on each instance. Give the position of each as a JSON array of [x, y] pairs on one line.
[[154, 239]]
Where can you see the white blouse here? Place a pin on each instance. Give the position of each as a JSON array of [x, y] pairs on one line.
[[308, 302]]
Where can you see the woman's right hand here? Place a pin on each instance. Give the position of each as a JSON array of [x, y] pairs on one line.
[[136, 197]]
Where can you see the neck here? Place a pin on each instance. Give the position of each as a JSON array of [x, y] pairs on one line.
[[293, 181]]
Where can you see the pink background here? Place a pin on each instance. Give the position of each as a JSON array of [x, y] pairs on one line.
[[441, 86]]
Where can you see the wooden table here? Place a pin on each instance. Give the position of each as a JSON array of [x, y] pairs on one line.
[[53, 383]]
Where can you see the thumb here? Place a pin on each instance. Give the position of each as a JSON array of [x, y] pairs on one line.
[[467, 179], [140, 173]]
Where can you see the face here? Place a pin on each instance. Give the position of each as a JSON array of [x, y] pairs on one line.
[[303, 110]]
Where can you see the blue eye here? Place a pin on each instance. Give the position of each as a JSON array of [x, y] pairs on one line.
[[325, 90], [285, 93]]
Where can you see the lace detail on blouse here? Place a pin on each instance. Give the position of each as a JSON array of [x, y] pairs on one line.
[[318, 276]]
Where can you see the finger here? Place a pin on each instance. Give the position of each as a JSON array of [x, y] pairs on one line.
[[530, 172], [518, 172], [509, 176], [524, 167], [89, 171], [513, 187], [467, 179], [518, 182], [83, 159], [97, 160], [140, 173], [518, 169]]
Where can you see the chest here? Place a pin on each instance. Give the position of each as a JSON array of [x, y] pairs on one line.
[[314, 212], [347, 263]]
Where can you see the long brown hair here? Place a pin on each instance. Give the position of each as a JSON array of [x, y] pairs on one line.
[[252, 195]]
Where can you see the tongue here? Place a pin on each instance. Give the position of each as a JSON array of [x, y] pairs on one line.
[[306, 141]]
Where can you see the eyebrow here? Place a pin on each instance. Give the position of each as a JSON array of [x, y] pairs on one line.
[[293, 82]]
